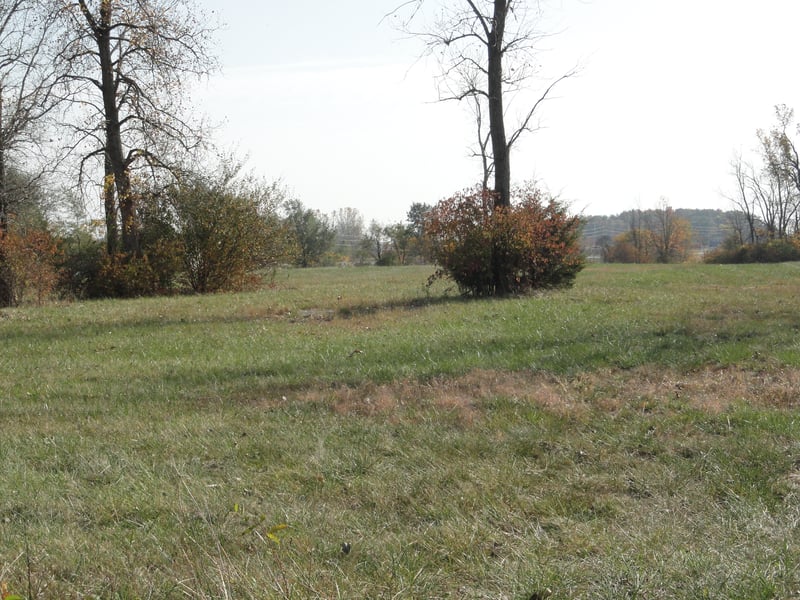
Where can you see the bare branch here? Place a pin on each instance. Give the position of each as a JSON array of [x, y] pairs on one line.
[[525, 125], [481, 20]]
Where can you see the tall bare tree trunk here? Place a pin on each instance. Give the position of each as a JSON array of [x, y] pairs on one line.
[[500, 149], [5, 284], [115, 163], [497, 128], [3, 192], [459, 37], [110, 202]]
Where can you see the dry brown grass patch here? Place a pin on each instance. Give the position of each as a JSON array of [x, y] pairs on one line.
[[712, 389]]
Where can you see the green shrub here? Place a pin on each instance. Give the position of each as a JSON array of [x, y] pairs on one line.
[[161, 242], [227, 232], [489, 251], [80, 263], [313, 233], [214, 232]]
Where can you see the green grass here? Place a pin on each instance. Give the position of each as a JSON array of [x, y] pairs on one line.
[[633, 437]]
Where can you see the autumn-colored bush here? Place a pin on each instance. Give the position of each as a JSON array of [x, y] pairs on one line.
[[490, 251], [660, 236], [210, 233], [27, 266], [631, 247]]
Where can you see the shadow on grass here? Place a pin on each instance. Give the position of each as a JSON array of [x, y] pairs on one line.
[[443, 299], [33, 332], [369, 308]]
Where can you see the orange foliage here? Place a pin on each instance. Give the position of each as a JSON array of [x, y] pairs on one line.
[[27, 265]]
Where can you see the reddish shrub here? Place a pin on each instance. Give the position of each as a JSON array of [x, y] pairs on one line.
[[490, 251]]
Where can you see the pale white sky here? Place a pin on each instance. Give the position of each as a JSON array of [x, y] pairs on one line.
[[331, 100]]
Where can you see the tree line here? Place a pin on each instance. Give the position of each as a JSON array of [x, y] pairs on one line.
[[604, 237], [343, 239], [95, 108]]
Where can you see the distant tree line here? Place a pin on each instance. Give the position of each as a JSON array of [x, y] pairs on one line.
[[702, 231], [343, 239]]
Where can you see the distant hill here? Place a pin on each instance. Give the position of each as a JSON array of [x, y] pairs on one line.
[[709, 227]]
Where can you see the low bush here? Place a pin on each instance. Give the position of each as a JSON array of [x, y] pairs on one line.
[[772, 251], [491, 251], [126, 276], [87, 271]]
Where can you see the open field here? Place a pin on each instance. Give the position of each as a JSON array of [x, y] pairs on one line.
[[349, 434]]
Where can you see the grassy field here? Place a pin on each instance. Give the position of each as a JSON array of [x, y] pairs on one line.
[[347, 433]]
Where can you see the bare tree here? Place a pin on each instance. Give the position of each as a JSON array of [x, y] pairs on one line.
[[744, 203], [766, 198], [779, 147], [778, 189], [670, 235], [26, 99], [487, 49], [130, 63], [768, 194], [776, 201], [483, 134]]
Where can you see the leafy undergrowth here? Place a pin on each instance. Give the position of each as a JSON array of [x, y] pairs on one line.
[[636, 437]]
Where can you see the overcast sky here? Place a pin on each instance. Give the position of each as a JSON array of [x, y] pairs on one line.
[[332, 100]]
